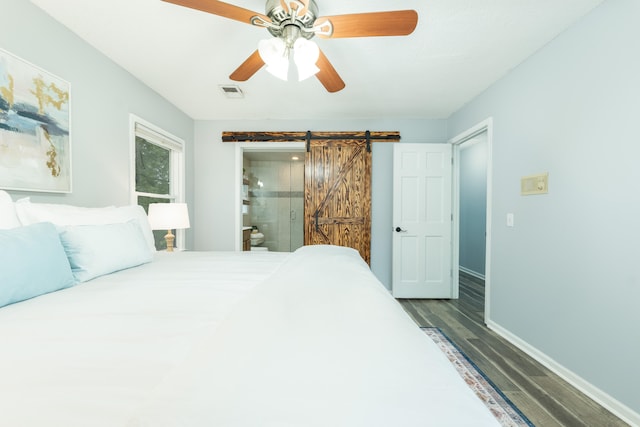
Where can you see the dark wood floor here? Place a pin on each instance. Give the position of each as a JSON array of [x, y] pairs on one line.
[[542, 396]]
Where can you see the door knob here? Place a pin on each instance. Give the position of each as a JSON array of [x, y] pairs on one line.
[[400, 230]]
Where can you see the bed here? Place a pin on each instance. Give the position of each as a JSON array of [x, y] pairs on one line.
[[196, 339]]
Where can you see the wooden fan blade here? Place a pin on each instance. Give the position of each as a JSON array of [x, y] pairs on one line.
[[248, 68], [221, 9], [328, 75], [395, 23]]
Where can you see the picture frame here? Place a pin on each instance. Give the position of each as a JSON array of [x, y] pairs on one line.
[[35, 140]]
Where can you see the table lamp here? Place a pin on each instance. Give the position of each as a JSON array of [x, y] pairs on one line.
[[168, 216]]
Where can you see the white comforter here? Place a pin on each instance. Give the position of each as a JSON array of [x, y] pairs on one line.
[[195, 339], [88, 356], [321, 343]]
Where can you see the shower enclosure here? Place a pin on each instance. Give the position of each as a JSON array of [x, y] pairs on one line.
[[276, 198]]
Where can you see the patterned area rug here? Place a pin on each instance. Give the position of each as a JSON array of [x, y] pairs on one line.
[[500, 406]]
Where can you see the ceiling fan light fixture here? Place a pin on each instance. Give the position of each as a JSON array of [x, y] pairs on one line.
[[274, 53], [279, 70], [307, 70], [290, 20], [305, 56]]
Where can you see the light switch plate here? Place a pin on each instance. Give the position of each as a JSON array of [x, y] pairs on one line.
[[534, 184]]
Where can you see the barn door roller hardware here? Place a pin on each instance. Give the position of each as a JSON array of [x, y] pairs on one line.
[[367, 135]]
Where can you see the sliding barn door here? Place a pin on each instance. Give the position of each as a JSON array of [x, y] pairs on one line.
[[338, 195]]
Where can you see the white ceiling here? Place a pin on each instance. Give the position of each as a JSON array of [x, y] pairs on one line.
[[459, 48]]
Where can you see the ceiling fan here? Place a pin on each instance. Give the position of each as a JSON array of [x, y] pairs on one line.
[[293, 23]]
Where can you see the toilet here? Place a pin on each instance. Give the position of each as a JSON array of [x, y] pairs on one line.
[[256, 238]]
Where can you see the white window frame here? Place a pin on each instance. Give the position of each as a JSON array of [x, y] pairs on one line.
[[176, 146]]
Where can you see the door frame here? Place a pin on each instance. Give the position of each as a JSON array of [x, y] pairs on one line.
[[456, 142], [240, 148]]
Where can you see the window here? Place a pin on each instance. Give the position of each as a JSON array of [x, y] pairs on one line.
[[157, 171]]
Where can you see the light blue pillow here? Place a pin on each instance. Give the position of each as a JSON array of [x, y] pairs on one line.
[[96, 250], [32, 263]]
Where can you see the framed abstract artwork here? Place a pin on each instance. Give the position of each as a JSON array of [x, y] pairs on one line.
[[35, 144]]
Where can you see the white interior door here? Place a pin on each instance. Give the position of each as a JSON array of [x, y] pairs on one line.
[[422, 215]]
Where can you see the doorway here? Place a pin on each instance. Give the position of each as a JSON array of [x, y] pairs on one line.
[[472, 201], [273, 186], [473, 205]]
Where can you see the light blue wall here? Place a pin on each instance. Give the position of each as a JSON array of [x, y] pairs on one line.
[[215, 172], [473, 204], [102, 97], [565, 278]]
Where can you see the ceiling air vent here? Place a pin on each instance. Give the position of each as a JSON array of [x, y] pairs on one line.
[[232, 91]]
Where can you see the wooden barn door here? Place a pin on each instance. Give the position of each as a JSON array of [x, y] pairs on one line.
[[338, 195]]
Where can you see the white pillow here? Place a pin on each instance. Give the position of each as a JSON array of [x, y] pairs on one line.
[[65, 215], [8, 217], [96, 250], [60, 214]]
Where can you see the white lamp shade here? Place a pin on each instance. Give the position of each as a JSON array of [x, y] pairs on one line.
[[168, 216], [279, 69], [273, 53], [305, 55]]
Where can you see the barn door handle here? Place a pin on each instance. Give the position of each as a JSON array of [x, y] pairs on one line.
[[400, 230], [316, 219]]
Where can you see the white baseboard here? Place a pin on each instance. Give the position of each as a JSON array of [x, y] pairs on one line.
[[471, 272], [617, 408]]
